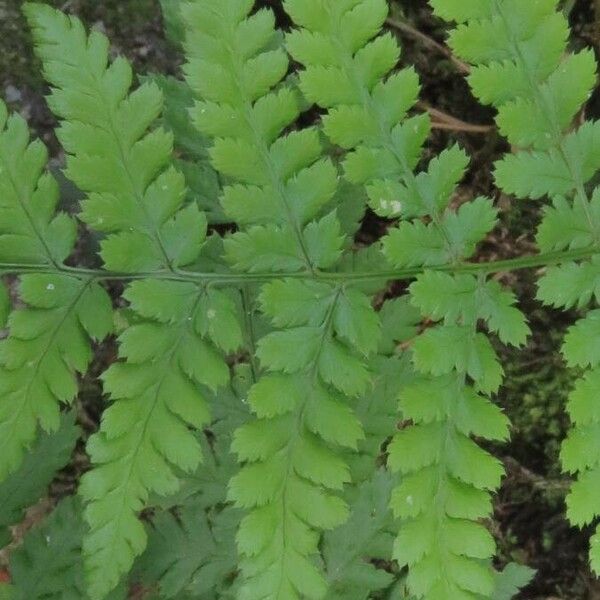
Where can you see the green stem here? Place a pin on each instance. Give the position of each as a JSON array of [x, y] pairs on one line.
[[240, 279]]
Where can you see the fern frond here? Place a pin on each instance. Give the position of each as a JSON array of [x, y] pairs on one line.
[[347, 71], [31, 231], [337, 43], [170, 359], [48, 344], [191, 547], [538, 88], [179, 547], [447, 477], [281, 184], [292, 469], [281, 195], [191, 554], [134, 194], [137, 197], [49, 339]]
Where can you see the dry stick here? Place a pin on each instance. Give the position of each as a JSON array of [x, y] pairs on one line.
[[443, 120], [425, 39]]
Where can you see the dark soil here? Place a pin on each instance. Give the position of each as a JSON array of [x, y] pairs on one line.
[[529, 519]]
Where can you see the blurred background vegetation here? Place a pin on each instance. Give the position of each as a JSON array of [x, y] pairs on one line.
[[529, 521]]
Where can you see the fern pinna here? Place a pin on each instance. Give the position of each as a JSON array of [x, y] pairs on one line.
[[538, 89], [295, 431]]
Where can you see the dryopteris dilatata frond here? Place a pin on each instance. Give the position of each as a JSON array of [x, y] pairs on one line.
[[445, 491], [281, 188], [300, 448], [49, 338], [347, 71], [538, 88], [136, 197]]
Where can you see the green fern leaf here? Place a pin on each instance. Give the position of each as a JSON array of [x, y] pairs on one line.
[[31, 231], [526, 43], [158, 394], [447, 477], [179, 546], [291, 469], [569, 226], [464, 297], [345, 69], [570, 284], [49, 338], [134, 193], [48, 344], [191, 547]]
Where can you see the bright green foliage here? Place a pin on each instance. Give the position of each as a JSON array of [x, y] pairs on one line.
[[31, 231], [523, 70], [191, 547], [283, 493], [445, 487], [464, 298], [170, 353], [280, 183], [169, 359], [49, 338], [580, 452], [134, 193], [538, 89], [281, 196], [293, 469], [447, 477], [347, 71], [48, 344], [26, 486]]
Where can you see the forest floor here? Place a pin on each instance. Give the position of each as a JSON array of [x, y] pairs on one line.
[[529, 524]]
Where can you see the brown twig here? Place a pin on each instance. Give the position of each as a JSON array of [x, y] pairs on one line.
[[442, 120], [430, 42]]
